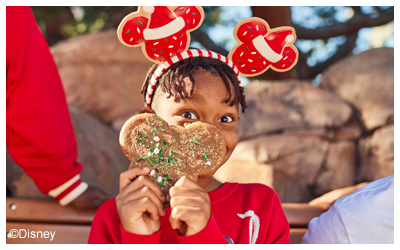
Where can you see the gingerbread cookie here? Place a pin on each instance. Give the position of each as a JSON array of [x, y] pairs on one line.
[[197, 149]]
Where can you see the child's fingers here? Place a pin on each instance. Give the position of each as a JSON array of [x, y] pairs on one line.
[[130, 212], [192, 216], [186, 182], [126, 177], [140, 182], [188, 192], [143, 205], [189, 201], [175, 223], [183, 212], [143, 192]]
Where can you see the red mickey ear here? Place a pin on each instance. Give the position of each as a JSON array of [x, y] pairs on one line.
[[162, 31], [131, 33], [260, 48]]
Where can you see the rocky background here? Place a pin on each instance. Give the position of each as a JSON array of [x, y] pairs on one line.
[[301, 140]]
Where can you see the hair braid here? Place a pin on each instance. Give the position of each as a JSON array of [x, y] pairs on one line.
[[171, 81], [228, 86]]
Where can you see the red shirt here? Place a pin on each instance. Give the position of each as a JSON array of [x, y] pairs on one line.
[[40, 136], [240, 214]]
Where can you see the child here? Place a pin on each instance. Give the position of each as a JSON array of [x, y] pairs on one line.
[[194, 89]]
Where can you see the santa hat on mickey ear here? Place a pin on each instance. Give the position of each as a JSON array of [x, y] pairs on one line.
[[278, 39], [163, 22], [160, 16]]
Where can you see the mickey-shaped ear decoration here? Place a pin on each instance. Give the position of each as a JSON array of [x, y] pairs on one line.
[[162, 31], [260, 48], [164, 34]]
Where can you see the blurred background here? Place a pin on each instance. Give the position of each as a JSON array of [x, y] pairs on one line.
[[325, 124], [325, 34]]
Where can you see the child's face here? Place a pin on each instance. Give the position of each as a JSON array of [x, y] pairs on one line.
[[207, 105]]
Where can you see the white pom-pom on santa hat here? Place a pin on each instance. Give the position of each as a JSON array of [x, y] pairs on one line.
[[163, 22], [289, 38], [271, 47], [148, 9]]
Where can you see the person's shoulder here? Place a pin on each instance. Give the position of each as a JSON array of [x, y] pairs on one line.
[[256, 189], [371, 201], [381, 189]]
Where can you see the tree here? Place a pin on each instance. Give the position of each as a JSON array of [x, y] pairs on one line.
[[277, 16], [349, 29], [60, 22]]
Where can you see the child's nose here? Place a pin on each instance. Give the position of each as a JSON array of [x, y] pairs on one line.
[[209, 121]]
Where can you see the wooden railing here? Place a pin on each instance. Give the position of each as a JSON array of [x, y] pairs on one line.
[[73, 226]]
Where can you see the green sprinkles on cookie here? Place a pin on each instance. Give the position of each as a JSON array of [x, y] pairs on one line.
[[163, 161]]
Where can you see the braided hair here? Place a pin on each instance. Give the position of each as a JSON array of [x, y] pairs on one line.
[[171, 81]]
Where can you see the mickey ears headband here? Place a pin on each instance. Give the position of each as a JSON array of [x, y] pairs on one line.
[[164, 34]]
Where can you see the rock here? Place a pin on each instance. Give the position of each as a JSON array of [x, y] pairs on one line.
[[119, 122], [366, 81], [296, 160], [276, 106], [291, 189], [339, 168], [98, 151], [376, 155], [19, 183], [350, 131], [101, 76]]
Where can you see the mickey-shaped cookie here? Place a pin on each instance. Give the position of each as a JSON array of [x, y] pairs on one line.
[[197, 149], [163, 31], [260, 48]]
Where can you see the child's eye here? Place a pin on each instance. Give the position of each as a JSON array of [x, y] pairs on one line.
[[189, 115], [225, 118]]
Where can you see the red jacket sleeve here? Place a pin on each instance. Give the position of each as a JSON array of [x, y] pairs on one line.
[[40, 136]]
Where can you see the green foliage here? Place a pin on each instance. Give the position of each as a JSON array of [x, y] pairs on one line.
[[211, 15], [63, 22]]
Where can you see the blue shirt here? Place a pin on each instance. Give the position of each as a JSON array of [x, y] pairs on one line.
[[365, 216]]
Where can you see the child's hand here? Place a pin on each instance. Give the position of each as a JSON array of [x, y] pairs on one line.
[[139, 202], [190, 207]]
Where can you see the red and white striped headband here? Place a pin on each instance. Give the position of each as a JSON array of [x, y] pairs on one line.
[[191, 53], [163, 32]]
